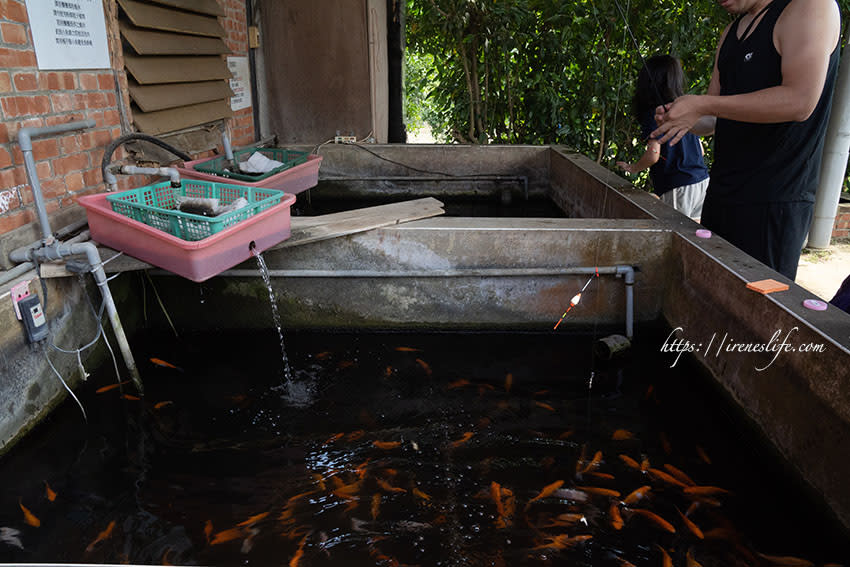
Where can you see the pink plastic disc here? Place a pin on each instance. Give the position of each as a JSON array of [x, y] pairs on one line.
[[703, 233], [814, 304]]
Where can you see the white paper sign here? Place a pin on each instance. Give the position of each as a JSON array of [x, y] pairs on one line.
[[69, 34], [240, 83]]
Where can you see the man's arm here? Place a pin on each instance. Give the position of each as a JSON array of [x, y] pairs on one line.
[[805, 36]]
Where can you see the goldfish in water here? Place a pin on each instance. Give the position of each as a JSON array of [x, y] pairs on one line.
[[208, 530], [333, 438], [388, 371], [226, 535], [666, 560], [420, 494], [110, 387], [425, 366], [547, 491], [48, 492], [407, 349], [299, 553], [703, 455], [664, 477], [102, 536], [387, 444], [679, 474], [655, 519], [615, 517], [630, 462], [786, 560], [594, 462], [458, 384], [622, 435], [160, 405], [544, 405], [509, 381], [566, 434], [163, 364], [355, 435], [463, 439], [636, 495], [131, 397], [388, 487], [704, 490], [690, 561], [376, 503], [496, 495], [253, 519], [29, 517], [692, 527]]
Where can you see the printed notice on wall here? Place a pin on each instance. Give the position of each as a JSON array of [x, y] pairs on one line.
[[69, 34], [240, 83]]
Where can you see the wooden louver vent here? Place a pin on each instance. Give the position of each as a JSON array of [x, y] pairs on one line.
[[175, 70]]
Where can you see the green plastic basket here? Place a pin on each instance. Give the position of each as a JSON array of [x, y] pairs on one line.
[[289, 158], [156, 206]]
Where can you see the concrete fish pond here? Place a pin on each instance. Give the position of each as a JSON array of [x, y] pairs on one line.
[[404, 449], [782, 369]]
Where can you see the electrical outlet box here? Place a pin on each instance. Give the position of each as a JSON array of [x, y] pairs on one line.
[[253, 37], [345, 139], [33, 318]]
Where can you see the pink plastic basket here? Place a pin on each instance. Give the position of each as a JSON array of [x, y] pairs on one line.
[[293, 180], [195, 260]]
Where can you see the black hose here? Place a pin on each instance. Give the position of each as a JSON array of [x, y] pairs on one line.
[[113, 145]]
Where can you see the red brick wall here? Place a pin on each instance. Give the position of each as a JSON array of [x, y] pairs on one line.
[[841, 228], [235, 23], [69, 166]]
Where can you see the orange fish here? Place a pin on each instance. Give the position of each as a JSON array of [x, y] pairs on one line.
[[424, 366], [702, 455], [630, 462], [496, 495], [599, 491], [333, 438], [51, 495], [376, 503], [226, 535], [463, 439], [622, 435], [655, 519], [208, 530], [635, 496], [547, 491], [566, 434], [160, 405], [509, 381], [323, 355], [616, 518], [388, 371], [458, 384], [666, 560], [664, 477], [29, 517], [131, 398], [164, 364], [110, 387], [679, 474], [594, 462], [407, 349], [544, 405], [644, 465], [253, 519], [299, 553], [420, 494], [387, 444], [692, 527], [704, 490], [601, 475], [388, 487], [102, 536], [540, 393]]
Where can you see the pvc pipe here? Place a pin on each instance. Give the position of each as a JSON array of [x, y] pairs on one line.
[[57, 251], [834, 162], [169, 172], [628, 272], [25, 136]]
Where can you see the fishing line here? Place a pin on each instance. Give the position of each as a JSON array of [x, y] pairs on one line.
[[661, 101]]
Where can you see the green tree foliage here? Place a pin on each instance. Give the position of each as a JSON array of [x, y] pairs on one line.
[[549, 71]]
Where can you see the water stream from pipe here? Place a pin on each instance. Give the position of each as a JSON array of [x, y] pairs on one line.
[[264, 272]]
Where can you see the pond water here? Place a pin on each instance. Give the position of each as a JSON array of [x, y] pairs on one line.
[[433, 449]]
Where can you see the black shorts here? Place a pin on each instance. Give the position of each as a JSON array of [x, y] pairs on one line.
[[773, 233]]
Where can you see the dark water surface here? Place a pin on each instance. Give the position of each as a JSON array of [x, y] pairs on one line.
[[384, 455]]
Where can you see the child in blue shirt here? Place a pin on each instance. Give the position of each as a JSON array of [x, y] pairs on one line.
[[678, 173]]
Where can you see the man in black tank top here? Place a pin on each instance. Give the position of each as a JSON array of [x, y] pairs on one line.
[[768, 105]]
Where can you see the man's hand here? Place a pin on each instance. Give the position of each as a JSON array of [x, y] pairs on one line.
[[677, 118]]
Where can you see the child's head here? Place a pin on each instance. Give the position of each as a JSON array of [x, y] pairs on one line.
[[667, 80]]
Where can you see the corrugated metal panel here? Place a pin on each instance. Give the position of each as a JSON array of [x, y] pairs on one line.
[[146, 42], [210, 7], [166, 19], [158, 97], [167, 69], [181, 117]]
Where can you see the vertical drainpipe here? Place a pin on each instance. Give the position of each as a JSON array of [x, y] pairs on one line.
[[252, 66]]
